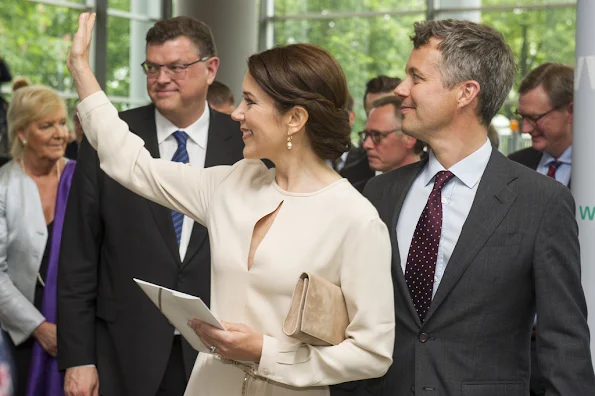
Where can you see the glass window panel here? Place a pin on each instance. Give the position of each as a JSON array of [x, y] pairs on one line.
[[125, 77], [365, 47], [34, 41], [547, 35], [122, 5], [292, 7], [118, 52]]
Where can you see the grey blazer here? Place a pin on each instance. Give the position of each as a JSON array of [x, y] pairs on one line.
[[23, 235], [518, 253]]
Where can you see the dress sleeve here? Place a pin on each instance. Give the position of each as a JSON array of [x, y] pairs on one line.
[[124, 158], [367, 350]]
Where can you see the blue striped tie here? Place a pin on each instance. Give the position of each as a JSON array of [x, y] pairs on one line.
[[181, 155]]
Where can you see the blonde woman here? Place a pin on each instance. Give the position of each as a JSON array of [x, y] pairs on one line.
[[33, 193]]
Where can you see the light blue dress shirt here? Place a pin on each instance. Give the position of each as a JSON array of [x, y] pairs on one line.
[[564, 170], [198, 135], [457, 198]]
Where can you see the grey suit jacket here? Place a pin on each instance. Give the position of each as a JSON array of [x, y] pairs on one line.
[[518, 253], [23, 235]]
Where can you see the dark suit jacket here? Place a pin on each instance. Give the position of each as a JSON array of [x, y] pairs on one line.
[[530, 158], [356, 168], [72, 150], [112, 235], [5, 75], [518, 253]]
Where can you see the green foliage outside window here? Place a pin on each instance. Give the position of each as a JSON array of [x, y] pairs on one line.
[[371, 45], [35, 37]]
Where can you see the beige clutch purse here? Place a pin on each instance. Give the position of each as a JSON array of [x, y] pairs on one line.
[[318, 315]]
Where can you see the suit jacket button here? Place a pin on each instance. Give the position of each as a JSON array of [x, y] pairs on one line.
[[412, 388], [423, 337], [181, 277]]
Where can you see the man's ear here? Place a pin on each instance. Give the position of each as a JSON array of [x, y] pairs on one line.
[[409, 142], [296, 119], [212, 67], [570, 110], [467, 92]]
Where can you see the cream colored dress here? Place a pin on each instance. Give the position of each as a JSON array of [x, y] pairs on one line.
[[334, 232]]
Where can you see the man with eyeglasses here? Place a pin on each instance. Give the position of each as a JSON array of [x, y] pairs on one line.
[[355, 163], [387, 146], [113, 340], [545, 112]]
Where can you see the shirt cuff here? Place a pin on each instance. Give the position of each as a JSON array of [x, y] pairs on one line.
[[268, 358]]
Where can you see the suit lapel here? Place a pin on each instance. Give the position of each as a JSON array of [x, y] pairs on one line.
[[394, 200], [217, 153], [145, 127], [217, 147], [535, 158], [492, 201]]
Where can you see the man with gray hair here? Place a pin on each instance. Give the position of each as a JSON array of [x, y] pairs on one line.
[[480, 242]]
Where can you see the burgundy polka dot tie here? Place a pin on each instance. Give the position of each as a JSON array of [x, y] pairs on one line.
[[423, 252]]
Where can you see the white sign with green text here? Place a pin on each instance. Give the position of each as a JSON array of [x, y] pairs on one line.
[[583, 150]]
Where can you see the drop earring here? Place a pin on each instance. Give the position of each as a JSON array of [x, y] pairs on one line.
[[289, 143], [24, 142]]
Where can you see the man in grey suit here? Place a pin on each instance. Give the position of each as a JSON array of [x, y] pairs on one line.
[[480, 243]]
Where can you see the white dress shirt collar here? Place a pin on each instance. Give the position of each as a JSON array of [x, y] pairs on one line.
[[565, 158], [197, 131], [468, 170]]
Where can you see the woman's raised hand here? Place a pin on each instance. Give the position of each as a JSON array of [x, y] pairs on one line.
[[78, 57], [81, 43]]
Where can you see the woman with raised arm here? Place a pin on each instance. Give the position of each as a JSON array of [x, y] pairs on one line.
[[267, 226]]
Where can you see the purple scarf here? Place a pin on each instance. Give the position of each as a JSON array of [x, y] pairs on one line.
[[44, 377]]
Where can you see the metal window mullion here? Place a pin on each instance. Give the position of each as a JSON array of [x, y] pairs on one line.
[[167, 9], [101, 43], [129, 15], [266, 27], [66, 4], [124, 99], [340, 15], [430, 10]]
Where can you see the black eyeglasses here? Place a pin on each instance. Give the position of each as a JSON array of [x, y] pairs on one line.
[[173, 71], [376, 136], [533, 119]]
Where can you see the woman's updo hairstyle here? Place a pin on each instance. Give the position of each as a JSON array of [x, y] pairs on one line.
[[308, 76]]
